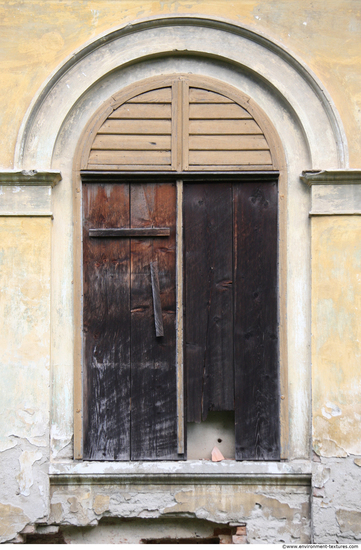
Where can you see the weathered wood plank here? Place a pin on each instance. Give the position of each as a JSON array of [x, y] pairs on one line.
[[157, 305], [224, 158], [128, 232], [256, 326], [161, 95], [227, 143], [106, 325], [214, 111], [134, 167], [197, 95], [208, 298], [130, 157], [132, 143], [137, 127], [153, 376], [181, 428], [225, 127], [142, 111]]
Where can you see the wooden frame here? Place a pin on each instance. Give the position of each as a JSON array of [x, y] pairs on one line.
[[178, 172]]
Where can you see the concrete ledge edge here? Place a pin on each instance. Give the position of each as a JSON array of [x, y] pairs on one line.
[[29, 177], [181, 479], [331, 177]]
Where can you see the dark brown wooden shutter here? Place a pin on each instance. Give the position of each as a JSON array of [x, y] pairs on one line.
[[256, 322], [130, 378], [231, 326], [208, 244]]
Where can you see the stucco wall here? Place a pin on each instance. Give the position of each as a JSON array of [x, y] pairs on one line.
[[336, 311], [35, 38], [24, 371]]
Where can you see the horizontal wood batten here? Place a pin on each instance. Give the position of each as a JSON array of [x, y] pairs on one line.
[[217, 111], [197, 95], [161, 95], [132, 143], [229, 157], [129, 167], [114, 176], [166, 168], [227, 143], [130, 157], [142, 111], [136, 127], [129, 232], [224, 127]]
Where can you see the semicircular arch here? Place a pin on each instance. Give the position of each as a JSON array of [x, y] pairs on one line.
[[179, 122]]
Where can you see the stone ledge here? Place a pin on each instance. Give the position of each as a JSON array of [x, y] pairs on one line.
[[194, 472], [30, 177], [182, 479], [331, 177]]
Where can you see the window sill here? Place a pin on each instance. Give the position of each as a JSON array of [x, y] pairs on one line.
[[297, 472]]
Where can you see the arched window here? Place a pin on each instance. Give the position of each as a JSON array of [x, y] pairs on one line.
[[180, 270]]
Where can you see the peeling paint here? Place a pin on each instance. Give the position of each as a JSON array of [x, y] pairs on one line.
[[285, 508], [12, 520], [25, 477]]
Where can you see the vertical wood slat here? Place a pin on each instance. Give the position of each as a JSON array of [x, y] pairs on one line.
[[177, 129], [106, 325], [179, 320], [157, 306], [256, 324], [185, 122], [153, 364], [209, 298]]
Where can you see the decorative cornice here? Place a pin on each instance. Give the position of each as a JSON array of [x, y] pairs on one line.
[[181, 479], [29, 177], [331, 177]]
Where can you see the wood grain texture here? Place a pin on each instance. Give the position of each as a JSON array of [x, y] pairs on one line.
[[225, 127], [106, 325], [227, 143], [208, 298], [128, 232], [217, 111], [129, 157], [142, 111], [157, 305], [153, 377], [199, 95], [132, 143], [161, 95], [256, 323], [153, 127], [225, 158]]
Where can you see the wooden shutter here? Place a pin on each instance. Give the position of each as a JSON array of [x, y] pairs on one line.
[[180, 126], [231, 325], [130, 378], [256, 322], [223, 135], [137, 135]]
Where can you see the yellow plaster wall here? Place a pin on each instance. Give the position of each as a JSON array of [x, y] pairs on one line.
[[36, 36], [336, 335], [24, 331]]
